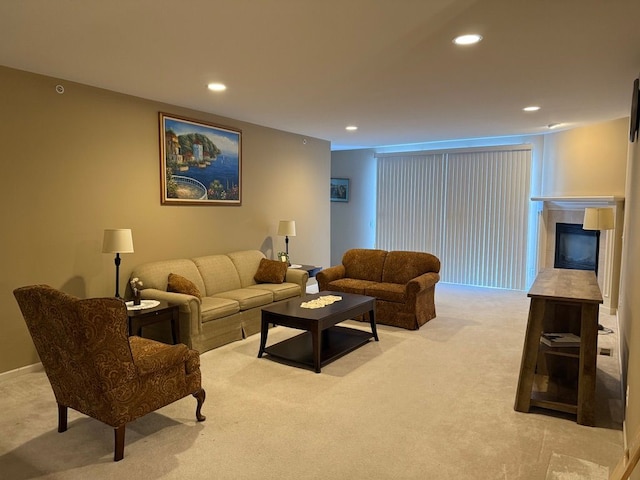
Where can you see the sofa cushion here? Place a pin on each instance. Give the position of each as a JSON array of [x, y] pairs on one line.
[[392, 292], [270, 271], [351, 285], [247, 297], [179, 284], [280, 291], [364, 264], [246, 263], [156, 274], [400, 266], [218, 273], [213, 308]]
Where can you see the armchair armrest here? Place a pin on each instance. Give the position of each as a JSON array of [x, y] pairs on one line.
[[150, 356], [324, 277], [189, 305]]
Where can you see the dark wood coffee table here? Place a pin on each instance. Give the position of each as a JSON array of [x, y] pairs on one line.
[[323, 341]]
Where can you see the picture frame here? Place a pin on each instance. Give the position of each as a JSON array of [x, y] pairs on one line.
[[340, 190], [200, 162], [284, 257]]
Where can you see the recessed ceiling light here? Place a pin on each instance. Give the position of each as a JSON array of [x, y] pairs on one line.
[[351, 128], [532, 108], [468, 39], [217, 87]]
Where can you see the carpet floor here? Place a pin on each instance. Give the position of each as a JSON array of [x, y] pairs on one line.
[[436, 403]]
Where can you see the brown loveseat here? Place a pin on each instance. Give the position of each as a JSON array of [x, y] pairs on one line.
[[403, 283]]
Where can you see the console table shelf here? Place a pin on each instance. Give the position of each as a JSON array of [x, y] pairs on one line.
[[561, 378]]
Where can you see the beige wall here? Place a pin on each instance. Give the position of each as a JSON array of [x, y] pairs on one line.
[[586, 161], [77, 163], [629, 303]]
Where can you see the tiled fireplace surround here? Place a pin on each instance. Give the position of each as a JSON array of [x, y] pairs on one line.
[[570, 209]]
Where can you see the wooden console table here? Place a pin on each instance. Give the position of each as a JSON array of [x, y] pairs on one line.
[[561, 378]]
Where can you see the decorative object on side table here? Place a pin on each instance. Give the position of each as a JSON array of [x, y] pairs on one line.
[[136, 285], [117, 240]]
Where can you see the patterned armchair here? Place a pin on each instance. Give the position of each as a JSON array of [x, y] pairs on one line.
[[95, 368]]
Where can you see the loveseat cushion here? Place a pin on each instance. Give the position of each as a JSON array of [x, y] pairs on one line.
[[270, 271], [213, 308], [364, 264], [351, 285], [391, 292], [247, 297], [179, 284], [401, 266]]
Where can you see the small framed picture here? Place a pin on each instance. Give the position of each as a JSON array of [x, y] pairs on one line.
[[339, 189], [283, 257]]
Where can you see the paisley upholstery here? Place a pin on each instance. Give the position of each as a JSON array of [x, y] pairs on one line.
[[402, 282], [93, 365]]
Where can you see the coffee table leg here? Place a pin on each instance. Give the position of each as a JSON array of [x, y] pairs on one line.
[[316, 340], [264, 331]]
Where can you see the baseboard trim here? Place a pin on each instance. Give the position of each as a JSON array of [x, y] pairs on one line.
[[36, 367]]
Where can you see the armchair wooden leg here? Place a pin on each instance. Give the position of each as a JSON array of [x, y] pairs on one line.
[[119, 448], [62, 418], [200, 396]]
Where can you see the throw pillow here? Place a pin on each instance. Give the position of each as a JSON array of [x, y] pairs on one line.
[[270, 271], [178, 284]]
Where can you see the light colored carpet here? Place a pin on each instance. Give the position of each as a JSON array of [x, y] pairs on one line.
[[430, 404]]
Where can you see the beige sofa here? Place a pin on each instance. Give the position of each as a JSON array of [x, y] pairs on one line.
[[403, 283], [230, 307]]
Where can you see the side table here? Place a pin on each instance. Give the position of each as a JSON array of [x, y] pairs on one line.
[[148, 316], [311, 269]]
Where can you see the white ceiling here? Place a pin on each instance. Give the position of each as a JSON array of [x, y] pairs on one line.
[[315, 66]]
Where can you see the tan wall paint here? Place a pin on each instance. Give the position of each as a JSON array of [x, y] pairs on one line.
[[77, 163], [586, 161], [629, 304]]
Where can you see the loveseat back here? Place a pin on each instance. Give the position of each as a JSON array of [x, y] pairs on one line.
[[402, 266], [364, 264], [156, 274], [218, 273]]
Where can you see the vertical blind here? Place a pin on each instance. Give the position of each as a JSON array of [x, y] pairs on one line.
[[469, 208]]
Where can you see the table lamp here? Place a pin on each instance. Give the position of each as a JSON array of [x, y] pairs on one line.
[[287, 228], [598, 219], [117, 240]]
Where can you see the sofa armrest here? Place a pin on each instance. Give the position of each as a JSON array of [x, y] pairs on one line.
[[189, 305], [328, 275], [300, 277], [424, 281]]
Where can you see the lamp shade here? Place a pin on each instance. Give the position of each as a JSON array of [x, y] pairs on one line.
[[287, 228], [598, 219], [117, 240]]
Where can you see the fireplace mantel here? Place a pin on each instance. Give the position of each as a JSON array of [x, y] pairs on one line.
[[570, 209], [580, 202]]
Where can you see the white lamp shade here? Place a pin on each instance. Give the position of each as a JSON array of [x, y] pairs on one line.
[[287, 228], [598, 219], [117, 240]]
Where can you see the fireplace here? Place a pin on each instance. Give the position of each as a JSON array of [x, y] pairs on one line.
[[576, 248]]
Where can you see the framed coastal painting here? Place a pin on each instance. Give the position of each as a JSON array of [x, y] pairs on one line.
[[200, 163], [339, 189]]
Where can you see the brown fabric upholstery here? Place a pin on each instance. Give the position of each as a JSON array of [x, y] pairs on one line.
[[93, 365], [178, 284], [364, 264], [402, 282], [270, 271]]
